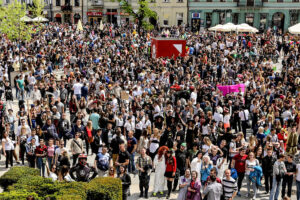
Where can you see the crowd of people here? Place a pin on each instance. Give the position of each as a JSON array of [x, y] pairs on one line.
[[101, 92]]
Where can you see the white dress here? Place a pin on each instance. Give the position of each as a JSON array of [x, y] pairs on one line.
[[196, 166], [160, 168]]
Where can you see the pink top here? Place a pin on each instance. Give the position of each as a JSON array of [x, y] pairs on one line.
[[50, 151]]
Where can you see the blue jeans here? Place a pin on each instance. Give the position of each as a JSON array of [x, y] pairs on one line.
[[275, 189], [50, 162], [78, 96], [40, 165], [131, 167], [298, 189]]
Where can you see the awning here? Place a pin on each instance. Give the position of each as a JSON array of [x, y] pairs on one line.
[[58, 15]]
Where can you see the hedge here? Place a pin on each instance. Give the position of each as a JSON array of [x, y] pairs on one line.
[[41, 186], [18, 195], [21, 182], [107, 188], [15, 173]]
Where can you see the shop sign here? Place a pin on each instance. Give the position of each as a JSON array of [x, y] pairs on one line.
[[124, 14], [94, 13], [196, 15]]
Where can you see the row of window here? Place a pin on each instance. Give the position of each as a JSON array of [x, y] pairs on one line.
[[249, 2], [57, 2]]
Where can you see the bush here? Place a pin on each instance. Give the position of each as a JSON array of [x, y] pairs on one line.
[[39, 185], [22, 182], [18, 195], [15, 173], [76, 190], [105, 188]]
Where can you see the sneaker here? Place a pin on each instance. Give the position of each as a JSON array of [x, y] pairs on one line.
[[168, 196], [266, 192], [161, 193], [154, 194], [247, 195], [239, 194]]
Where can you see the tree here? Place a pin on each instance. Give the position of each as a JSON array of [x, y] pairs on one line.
[[37, 8], [141, 15], [11, 23]]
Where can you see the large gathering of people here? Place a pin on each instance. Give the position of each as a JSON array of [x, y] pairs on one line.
[[68, 94]]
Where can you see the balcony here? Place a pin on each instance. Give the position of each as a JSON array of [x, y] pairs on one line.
[[97, 3], [250, 3], [66, 8]]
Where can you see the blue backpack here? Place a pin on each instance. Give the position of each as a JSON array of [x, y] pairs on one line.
[[234, 174]]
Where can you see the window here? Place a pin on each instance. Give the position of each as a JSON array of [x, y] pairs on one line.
[[295, 1], [152, 1], [179, 22], [250, 18], [166, 22], [208, 19], [208, 0], [263, 21], [166, 1], [264, 0], [179, 1], [179, 15], [222, 0], [77, 3], [222, 18], [294, 18], [280, 1], [57, 2], [7, 1], [235, 18], [67, 3]]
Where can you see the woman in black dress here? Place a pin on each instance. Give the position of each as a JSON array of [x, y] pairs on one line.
[[126, 182]]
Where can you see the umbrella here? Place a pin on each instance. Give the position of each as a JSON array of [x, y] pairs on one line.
[[79, 26], [246, 28], [230, 27], [216, 28], [295, 29], [26, 19], [101, 27], [40, 19]]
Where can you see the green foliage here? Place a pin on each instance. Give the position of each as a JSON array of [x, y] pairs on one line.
[[143, 13], [41, 186], [22, 182], [107, 188], [16, 173], [11, 23], [76, 189], [18, 195], [38, 8]]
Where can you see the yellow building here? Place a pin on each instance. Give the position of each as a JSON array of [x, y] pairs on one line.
[[170, 12]]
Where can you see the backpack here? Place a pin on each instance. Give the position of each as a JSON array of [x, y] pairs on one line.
[[103, 162], [234, 174]]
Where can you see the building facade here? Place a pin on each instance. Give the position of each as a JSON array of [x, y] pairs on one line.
[[258, 13], [68, 11], [170, 12]]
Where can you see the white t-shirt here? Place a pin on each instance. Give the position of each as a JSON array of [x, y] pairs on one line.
[[298, 174], [77, 88], [53, 176], [9, 145]]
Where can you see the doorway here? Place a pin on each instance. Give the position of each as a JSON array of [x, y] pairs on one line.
[[278, 20]]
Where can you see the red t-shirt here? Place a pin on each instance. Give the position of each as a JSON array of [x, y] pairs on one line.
[[240, 163]]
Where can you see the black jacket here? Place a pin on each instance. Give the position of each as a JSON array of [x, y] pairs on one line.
[[267, 164]]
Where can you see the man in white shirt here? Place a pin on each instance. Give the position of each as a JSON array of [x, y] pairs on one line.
[[244, 116], [77, 89]]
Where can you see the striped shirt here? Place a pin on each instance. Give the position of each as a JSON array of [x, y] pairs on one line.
[[229, 187]]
